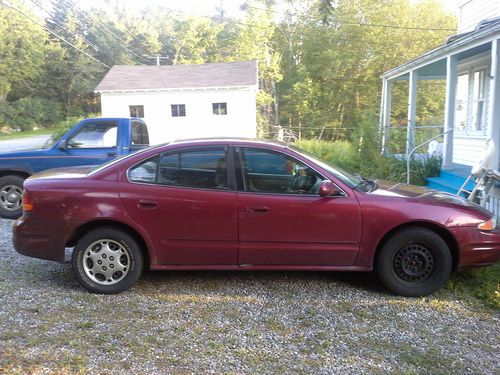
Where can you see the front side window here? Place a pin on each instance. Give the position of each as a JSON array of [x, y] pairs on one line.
[[98, 135], [178, 110], [136, 111], [268, 171], [219, 109]]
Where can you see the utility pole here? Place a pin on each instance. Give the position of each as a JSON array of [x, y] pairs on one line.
[[158, 58]]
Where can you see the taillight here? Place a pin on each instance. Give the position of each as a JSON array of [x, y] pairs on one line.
[[28, 204]]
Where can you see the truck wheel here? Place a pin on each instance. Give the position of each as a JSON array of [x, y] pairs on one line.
[[11, 194], [107, 261], [414, 262]]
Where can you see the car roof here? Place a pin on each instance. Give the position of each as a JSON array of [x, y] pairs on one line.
[[228, 140]]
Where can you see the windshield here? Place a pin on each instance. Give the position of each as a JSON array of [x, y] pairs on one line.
[[353, 181]]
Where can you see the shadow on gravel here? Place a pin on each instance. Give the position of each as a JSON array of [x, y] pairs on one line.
[[362, 281]]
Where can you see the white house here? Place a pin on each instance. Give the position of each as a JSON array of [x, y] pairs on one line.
[[184, 101], [469, 62]]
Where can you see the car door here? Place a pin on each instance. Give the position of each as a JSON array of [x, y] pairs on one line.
[[184, 201], [92, 144], [282, 219]]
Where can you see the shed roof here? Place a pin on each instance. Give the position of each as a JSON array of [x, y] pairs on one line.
[[148, 77]]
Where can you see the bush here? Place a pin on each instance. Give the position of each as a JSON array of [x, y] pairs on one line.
[[28, 113], [364, 159]]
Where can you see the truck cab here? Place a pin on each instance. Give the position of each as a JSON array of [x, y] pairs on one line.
[[90, 142]]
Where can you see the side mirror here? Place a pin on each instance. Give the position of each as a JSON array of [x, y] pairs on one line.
[[328, 189], [63, 145]]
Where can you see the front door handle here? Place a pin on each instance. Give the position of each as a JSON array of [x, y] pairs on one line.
[[147, 204], [258, 209], [111, 154]]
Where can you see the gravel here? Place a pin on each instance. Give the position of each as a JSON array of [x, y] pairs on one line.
[[230, 322]]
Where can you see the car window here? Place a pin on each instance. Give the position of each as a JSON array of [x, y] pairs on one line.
[[139, 134], [204, 169], [144, 172], [95, 135], [268, 171]]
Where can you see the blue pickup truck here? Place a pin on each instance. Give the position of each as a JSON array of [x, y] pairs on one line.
[[90, 142]]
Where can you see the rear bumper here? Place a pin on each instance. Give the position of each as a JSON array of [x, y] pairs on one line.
[[43, 239], [477, 248]]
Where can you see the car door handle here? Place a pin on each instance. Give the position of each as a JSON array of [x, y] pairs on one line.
[[261, 209], [143, 203], [111, 154]]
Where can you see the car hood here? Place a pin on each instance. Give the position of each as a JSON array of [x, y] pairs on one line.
[[391, 189], [67, 172]]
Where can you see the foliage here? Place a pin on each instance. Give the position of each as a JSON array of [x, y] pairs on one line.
[[363, 158], [61, 127], [29, 113]]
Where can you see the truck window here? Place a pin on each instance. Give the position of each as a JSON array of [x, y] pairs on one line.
[[139, 134], [95, 135]]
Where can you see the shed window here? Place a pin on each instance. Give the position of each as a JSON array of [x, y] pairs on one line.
[[219, 108], [136, 111], [178, 110]]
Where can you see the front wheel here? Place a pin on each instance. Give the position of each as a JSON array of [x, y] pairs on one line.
[[107, 261], [414, 262], [11, 194]]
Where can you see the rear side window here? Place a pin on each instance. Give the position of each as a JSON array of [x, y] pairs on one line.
[[202, 169], [97, 135], [139, 134]]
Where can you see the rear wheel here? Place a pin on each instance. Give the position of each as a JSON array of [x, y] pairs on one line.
[[107, 261], [11, 194], [414, 262]]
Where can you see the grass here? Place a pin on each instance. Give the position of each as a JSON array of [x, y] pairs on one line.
[[24, 134], [480, 283]]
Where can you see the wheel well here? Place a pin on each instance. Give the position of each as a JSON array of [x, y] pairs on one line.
[[442, 232], [85, 228], [14, 173]]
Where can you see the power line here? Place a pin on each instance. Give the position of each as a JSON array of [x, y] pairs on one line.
[[103, 28], [60, 24], [7, 5], [359, 23]]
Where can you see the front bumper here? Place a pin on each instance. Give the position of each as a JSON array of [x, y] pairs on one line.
[[477, 248], [44, 239]]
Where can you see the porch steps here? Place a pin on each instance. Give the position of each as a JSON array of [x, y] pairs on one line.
[[450, 181]]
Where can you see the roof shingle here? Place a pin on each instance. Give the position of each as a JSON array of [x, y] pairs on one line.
[[148, 77]]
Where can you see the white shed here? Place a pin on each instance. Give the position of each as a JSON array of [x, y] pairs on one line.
[[184, 101]]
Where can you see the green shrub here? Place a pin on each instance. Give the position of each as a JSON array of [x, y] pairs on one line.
[[28, 113]]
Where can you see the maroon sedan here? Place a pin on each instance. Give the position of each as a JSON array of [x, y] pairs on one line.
[[247, 205]]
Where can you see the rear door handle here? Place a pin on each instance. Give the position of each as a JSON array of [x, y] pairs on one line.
[[147, 204], [259, 209]]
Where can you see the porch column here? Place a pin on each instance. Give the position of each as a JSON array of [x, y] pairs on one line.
[[494, 107], [412, 111], [385, 115], [449, 109]]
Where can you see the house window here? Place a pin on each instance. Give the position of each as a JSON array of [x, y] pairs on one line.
[[470, 110], [219, 108], [136, 111], [178, 110]]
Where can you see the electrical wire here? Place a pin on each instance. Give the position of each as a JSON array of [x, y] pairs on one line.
[[9, 6]]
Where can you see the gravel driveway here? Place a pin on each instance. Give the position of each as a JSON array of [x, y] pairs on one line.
[[227, 322]]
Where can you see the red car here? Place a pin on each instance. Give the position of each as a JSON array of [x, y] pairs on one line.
[[247, 205]]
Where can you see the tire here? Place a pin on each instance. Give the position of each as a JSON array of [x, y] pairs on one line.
[[414, 262], [11, 193], [107, 261]]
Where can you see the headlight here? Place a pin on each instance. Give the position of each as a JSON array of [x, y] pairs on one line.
[[488, 225]]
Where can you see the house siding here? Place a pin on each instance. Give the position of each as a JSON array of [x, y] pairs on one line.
[[199, 121], [471, 12], [467, 150]]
